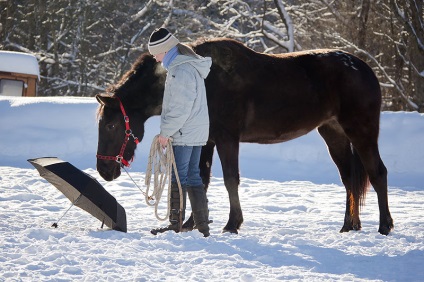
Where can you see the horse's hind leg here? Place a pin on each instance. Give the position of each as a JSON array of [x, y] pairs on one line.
[[340, 151], [370, 156], [363, 134]]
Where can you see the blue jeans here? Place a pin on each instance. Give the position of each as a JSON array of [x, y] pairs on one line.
[[187, 159]]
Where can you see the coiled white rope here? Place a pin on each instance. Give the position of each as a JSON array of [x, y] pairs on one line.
[[162, 161]]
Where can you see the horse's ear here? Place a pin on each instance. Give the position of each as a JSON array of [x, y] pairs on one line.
[[107, 100]]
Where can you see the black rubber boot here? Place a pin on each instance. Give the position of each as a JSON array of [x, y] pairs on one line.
[[199, 207], [176, 218]]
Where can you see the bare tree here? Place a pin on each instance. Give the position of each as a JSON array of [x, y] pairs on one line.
[[410, 46], [83, 46]]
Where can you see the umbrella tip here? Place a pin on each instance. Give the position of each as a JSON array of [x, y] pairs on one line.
[[54, 225]]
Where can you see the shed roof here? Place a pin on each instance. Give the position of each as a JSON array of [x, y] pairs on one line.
[[18, 62]]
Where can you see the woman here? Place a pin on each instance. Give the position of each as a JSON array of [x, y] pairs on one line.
[[185, 121]]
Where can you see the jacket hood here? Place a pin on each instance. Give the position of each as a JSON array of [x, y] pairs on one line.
[[202, 64]]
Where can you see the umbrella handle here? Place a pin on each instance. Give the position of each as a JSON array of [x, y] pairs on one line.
[[73, 203]]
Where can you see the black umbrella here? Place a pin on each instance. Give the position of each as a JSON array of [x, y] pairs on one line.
[[83, 191]]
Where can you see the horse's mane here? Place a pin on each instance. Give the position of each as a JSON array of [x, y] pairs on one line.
[[133, 73]]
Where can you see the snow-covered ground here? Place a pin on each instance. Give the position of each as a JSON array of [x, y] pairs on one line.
[[291, 196]]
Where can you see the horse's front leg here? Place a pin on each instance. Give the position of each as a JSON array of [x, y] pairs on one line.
[[228, 152], [205, 166], [205, 163]]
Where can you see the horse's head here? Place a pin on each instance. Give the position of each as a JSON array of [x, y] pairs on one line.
[[121, 115]]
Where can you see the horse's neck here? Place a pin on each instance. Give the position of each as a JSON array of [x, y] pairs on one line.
[[152, 101], [153, 105], [155, 111], [156, 99]]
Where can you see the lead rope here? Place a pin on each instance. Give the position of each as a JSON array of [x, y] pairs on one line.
[[162, 161], [135, 183]]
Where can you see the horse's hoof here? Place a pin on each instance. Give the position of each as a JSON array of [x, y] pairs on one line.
[[188, 225], [345, 229], [351, 226], [187, 228], [386, 226], [233, 231], [385, 230], [357, 227]]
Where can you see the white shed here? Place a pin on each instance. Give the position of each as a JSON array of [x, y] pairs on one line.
[[19, 73]]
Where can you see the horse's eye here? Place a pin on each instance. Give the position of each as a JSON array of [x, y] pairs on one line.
[[110, 126]]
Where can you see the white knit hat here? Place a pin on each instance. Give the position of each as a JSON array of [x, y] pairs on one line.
[[161, 41]]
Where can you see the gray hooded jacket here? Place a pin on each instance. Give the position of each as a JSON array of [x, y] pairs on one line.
[[185, 115]]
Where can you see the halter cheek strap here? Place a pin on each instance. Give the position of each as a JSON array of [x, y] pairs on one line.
[[128, 133]]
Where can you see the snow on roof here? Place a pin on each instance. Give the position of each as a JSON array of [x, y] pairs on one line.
[[18, 62]]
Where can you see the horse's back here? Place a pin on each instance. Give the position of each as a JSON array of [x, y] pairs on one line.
[[274, 98]]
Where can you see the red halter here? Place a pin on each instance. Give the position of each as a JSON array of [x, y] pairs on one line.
[[128, 133]]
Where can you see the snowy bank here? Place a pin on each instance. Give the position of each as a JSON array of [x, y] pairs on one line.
[[66, 128], [290, 229]]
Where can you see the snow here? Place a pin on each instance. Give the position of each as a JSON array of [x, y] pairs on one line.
[[291, 196], [19, 62]]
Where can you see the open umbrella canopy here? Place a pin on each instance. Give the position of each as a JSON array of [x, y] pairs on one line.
[[83, 191]]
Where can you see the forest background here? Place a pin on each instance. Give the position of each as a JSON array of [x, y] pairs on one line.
[[83, 46]]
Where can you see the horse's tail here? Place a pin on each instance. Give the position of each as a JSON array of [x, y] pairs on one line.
[[360, 180]]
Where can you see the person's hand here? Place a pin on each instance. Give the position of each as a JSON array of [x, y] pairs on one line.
[[163, 141]]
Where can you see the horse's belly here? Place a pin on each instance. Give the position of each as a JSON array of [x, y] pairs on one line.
[[271, 138]]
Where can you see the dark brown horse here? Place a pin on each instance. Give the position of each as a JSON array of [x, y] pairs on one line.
[[260, 98]]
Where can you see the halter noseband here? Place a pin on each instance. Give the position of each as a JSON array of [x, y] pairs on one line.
[[128, 133]]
